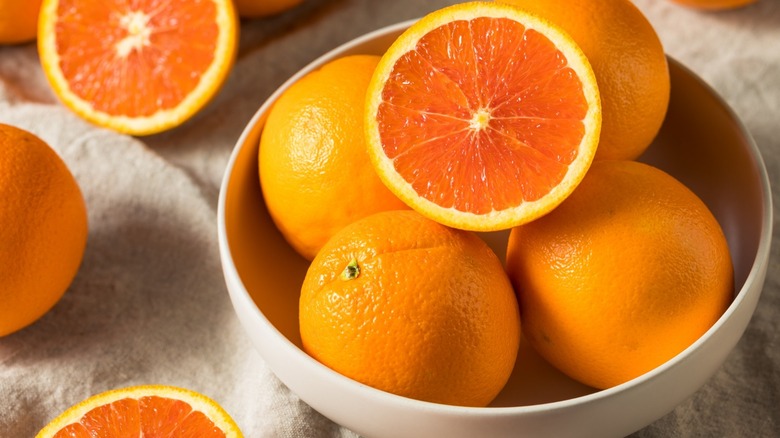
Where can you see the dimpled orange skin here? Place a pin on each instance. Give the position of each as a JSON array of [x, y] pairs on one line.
[[314, 167], [431, 315], [628, 272], [43, 228], [715, 4], [629, 63]]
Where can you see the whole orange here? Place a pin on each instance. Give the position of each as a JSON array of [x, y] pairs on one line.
[[629, 63], [715, 4], [18, 20], [43, 228], [263, 8], [315, 172], [628, 272], [409, 306]]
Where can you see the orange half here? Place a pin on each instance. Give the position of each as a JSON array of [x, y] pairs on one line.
[[144, 411], [482, 116], [141, 66]]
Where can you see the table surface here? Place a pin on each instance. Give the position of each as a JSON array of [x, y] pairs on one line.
[[149, 304]]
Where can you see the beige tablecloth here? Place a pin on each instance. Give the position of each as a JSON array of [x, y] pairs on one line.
[[149, 304]]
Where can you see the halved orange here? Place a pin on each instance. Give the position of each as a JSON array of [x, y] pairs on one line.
[[137, 67], [144, 411], [482, 116]]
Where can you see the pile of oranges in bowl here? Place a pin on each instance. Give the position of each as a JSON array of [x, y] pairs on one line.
[[500, 217], [478, 221]]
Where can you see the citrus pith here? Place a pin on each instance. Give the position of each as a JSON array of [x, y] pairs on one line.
[[137, 67], [628, 61], [482, 116], [144, 410]]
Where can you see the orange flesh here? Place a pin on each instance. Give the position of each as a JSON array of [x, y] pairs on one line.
[[135, 57], [479, 126], [151, 416]]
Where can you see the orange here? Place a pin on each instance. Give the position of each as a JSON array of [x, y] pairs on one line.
[[715, 4], [314, 169], [137, 67], [43, 228], [144, 411], [628, 272], [263, 8], [630, 66], [482, 117], [406, 305], [18, 20]]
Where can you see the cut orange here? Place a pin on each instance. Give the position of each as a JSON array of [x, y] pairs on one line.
[[482, 116], [137, 67], [144, 411]]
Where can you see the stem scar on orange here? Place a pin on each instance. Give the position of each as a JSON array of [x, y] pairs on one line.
[[482, 116], [409, 306], [138, 67]]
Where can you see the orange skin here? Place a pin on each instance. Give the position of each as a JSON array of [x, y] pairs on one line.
[[18, 20], [628, 272], [314, 169], [715, 4], [263, 8], [482, 116], [406, 305], [629, 63], [43, 228]]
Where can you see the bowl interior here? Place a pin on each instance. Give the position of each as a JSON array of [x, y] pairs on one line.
[[701, 143]]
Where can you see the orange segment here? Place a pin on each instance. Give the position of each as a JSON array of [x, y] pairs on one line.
[[138, 67], [149, 410], [482, 116]]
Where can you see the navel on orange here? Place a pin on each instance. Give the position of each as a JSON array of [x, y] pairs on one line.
[[137, 67], [144, 411], [482, 116]]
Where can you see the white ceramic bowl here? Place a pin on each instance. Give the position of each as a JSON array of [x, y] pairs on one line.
[[702, 143]]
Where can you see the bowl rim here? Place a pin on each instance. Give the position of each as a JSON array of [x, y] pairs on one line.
[[757, 269]]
